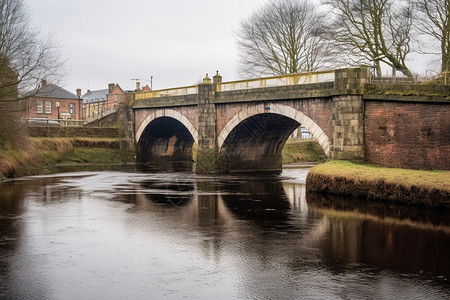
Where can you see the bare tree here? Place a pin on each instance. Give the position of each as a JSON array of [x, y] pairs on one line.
[[281, 37], [434, 21], [25, 59], [23, 52], [372, 32]]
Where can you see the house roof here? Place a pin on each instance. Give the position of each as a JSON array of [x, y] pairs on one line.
[[53, 91], [117, 90], [96, 96], [146, 89]]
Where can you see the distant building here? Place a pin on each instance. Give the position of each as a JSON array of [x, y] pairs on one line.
[[54, 102], [101, 102], [115, 96], [146, 89]]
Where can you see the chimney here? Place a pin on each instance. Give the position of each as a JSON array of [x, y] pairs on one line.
[[43, 82], [110, 87], [79, 93], [138, 86]]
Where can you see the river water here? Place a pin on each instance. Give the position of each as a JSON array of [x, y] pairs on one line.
[[172, 234]]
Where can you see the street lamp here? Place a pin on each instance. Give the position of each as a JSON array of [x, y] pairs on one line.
[[57, 106]]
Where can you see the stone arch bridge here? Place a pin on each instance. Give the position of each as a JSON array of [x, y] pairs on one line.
[[243, 125]]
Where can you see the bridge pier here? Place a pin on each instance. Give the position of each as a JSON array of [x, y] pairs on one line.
[[207, 155]]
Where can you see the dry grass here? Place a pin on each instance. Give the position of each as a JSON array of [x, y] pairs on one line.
[[406, 177], [53, 144], [42, 152]]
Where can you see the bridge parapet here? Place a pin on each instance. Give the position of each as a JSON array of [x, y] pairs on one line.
[[290, 79], [265, 82], [180, 91]]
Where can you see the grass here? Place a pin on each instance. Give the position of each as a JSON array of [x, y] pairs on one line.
[[378, 184], [363, 172], [43, 153], [298, 150], [91, 155]]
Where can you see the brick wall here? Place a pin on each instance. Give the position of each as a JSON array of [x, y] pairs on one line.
[[409, 135], [37, 131], [64, 107]]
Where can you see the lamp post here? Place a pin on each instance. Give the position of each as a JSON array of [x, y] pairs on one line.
[[57, 107], [151, 81]]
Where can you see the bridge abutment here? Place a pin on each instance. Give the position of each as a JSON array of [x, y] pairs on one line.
[[348, 128], [348, 114]]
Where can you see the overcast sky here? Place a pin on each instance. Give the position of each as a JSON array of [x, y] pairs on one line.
[[175, 41]]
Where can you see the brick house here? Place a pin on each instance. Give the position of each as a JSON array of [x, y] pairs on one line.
[[115, 96], [100, 102], [146, 89], [54, 102]]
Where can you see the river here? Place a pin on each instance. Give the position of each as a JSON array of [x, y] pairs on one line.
[[134, 234]]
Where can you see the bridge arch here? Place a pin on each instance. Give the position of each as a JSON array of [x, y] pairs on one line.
[[171, 114], [165, 135], [280, 109]]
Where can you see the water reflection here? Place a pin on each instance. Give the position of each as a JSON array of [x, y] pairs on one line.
[[177, 235], [384, 236]]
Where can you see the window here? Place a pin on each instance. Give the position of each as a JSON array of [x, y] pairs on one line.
[[116, 98], [48, 107], [39, 107], [71, 108]]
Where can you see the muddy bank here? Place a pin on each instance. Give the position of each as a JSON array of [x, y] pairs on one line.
[[411, 187]]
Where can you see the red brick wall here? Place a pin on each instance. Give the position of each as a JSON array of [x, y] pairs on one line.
[[408, 134], [64, 105], [115, 98]]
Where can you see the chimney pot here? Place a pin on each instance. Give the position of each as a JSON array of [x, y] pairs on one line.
[[79, 93], [111, 87]]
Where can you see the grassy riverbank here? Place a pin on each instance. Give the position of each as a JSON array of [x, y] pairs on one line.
[[299, 151], [44, 153], [429, 188]]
